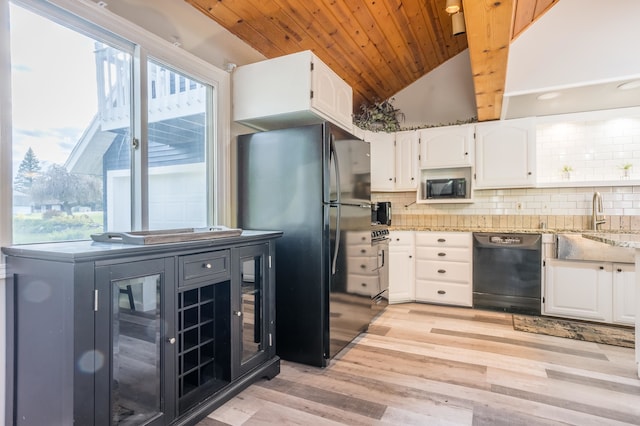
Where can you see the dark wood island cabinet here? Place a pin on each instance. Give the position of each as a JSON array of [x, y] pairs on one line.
[[162, 334]]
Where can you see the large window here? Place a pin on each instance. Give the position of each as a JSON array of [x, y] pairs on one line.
[[105, 136]]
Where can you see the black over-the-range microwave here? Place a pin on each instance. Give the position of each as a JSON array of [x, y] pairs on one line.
[[446, 188]]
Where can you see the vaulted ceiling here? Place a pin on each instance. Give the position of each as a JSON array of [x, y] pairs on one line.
[[380, 47]]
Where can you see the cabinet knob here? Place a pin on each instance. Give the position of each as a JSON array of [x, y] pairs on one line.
[[363, 266], [441, 271], [602, 267], [442, 292], [466, 153], [442, 254], [619, 270], [207, 266], [390, 179], [237, 313], [410, 257], [363, 251], [363, 284], [441, 240], [529, 173], [171, 340]]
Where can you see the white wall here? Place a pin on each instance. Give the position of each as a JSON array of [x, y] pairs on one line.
[[443, 96], [176, 20], [574, 43]]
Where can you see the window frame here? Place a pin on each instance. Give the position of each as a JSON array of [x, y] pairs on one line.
[[148, 46]]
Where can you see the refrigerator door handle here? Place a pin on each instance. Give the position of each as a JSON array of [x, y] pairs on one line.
[[337, 243], [336, 165]]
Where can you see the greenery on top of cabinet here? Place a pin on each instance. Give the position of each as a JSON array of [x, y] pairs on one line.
[[382, 116]]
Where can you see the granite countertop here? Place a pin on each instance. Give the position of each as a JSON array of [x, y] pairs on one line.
[[466, 229], [620, 237], [614, 239]]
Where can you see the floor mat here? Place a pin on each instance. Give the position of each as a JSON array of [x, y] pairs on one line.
[[579, 330]]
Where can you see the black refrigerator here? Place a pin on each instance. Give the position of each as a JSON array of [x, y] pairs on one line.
[[313, 183]]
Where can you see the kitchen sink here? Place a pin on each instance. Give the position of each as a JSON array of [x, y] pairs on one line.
[[576, 247]]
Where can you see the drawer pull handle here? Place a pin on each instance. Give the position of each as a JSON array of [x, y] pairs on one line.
[[207, 266], [363, 284], [363, 266], [619, 270], [442, 254], [441, 271], [363, 251], [602, 267], [441, 240], [442, 292]]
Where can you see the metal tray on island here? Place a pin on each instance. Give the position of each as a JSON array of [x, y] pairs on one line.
[[166, 235]]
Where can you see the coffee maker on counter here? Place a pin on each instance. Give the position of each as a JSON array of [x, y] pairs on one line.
[[381, 213]]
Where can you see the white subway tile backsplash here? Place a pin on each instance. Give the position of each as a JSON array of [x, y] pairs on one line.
[[595, 150]]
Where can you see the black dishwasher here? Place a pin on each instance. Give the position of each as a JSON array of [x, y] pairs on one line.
[[507, 272]]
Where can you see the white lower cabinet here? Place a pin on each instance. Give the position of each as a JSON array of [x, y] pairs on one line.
[[401, 267], [624, 293], [433, 267], [594, 291], [444, 268]]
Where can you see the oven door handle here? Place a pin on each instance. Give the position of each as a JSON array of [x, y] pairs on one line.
[[381, 258]]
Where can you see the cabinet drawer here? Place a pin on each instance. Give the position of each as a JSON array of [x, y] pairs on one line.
[[444, 254], [443, 239], [363, 238], [400, 238], [362, 265], [360, 250], [445, 293], [362, 284], [195, 268], [443, 271]]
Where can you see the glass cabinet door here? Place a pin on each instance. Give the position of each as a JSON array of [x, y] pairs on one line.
[[249, 308], [130, 312]]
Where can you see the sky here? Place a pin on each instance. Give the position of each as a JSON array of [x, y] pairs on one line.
[[54, 95]]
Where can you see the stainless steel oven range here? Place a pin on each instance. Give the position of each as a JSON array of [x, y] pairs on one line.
[[380, 245]]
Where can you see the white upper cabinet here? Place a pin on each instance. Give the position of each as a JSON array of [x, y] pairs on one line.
[[383, 156], [505, 154], [290, 90], [443, 147], [331, 95], [394, 160], [406, 161]]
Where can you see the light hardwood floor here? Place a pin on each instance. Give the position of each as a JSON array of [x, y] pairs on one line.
[[423, 364]]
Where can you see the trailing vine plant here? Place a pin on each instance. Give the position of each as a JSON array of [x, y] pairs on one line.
[[382, 116]]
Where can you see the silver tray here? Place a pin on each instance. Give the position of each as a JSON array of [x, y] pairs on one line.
[[166, 235]]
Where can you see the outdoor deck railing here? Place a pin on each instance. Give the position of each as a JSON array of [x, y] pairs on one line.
[[170, 94]]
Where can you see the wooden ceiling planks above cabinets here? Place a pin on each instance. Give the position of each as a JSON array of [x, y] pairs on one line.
[[379, 47]]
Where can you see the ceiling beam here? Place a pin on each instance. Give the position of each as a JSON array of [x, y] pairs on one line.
[[489, 26]]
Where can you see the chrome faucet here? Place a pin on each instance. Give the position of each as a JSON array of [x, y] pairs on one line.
[[597, 211]]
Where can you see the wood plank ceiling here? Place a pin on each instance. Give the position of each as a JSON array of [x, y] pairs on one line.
[[380, 47]]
